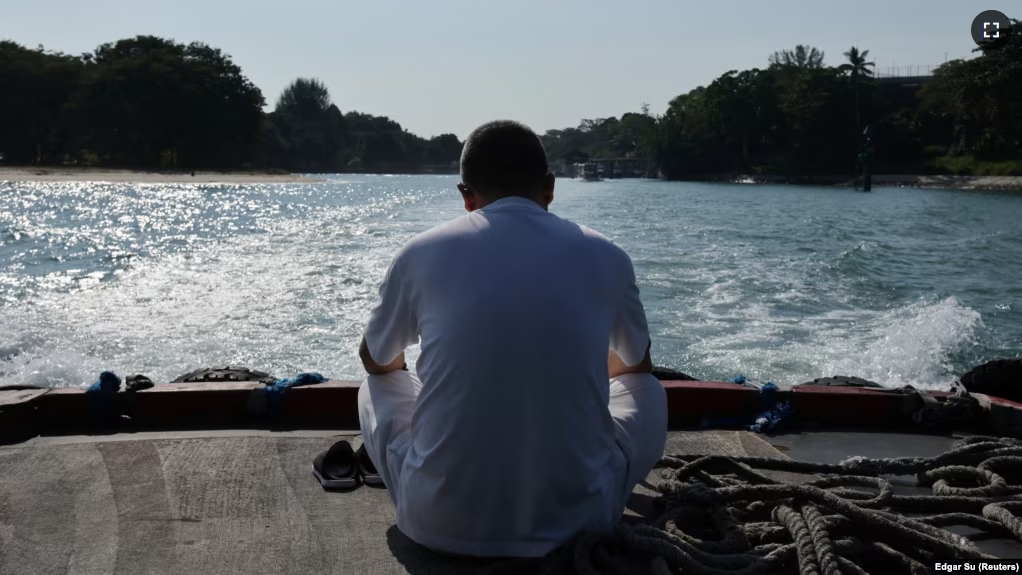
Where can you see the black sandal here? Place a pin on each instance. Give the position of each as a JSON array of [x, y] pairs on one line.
[[366, 468], [336, 468]]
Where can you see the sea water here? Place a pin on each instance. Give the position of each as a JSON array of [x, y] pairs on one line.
[[781, 283]]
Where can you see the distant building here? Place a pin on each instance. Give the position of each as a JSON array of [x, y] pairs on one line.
[[627, 167], [562, 169]]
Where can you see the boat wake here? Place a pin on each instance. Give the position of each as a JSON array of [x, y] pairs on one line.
[[161, 280], [908, 345]]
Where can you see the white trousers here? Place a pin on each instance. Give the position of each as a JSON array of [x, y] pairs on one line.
[[638, 405]]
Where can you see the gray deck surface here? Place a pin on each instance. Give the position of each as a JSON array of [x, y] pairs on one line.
[[245, 503], [834, 446], [234, 503]]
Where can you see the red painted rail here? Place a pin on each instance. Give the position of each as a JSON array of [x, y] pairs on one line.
[[333, 405]]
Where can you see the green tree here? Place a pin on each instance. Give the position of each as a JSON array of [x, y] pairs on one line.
[[784, 119], [857, 69], [741, 105], [631, 135], [689, 136], [312, 130], [304, 98], [971, 107], [818, 137], [33, 103], [634, 137], [801, 57], [146, 99], [444, 149]]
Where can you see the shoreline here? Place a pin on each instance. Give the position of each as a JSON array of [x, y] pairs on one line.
[[67, 174], [944, 182], [77, 174]]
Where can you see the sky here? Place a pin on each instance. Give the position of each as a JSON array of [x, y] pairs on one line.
[[446, 66]]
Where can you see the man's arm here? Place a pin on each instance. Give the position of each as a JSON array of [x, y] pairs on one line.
[[373, 368], [392, 325], [617, 367]]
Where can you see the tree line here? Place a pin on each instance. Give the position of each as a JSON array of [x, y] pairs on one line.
[[798, 116], [149, 102], [155, 103], [140, 102]]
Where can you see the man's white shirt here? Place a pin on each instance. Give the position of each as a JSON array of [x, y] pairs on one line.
[[512, 447]]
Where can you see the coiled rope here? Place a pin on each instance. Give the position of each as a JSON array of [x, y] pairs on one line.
[[721, 515]]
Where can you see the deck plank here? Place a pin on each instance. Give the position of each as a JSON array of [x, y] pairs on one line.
[[224, 504]]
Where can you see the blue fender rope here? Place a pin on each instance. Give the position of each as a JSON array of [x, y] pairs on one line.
[[102, 392], [275, 391], [776, 415], [776, 412]]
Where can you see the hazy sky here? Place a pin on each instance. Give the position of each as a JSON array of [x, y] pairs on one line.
[[440, 66]]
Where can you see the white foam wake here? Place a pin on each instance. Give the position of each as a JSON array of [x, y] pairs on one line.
[[907, 345]]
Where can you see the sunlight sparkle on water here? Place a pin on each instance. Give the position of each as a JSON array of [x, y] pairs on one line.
[[161, 279]]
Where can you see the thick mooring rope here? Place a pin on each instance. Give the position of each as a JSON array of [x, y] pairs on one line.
[[721, 515]]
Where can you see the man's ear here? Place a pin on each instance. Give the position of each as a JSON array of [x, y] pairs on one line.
[[547, 195], [470, 197]]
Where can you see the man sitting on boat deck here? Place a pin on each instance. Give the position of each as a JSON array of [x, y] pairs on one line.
[[534, 413]]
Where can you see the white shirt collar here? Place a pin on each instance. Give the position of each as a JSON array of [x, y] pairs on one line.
[[511, 201]]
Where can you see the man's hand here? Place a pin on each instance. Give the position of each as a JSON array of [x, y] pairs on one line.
[[617, 367], [373, 368]]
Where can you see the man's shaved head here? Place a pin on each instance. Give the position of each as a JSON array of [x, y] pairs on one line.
[[504, 158]]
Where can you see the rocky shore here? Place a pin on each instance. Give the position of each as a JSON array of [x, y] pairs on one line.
[[990, 183]]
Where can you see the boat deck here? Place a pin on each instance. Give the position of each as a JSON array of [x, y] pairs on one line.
[[244, 502]]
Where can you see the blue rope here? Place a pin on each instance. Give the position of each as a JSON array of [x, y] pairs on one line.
[[107, 384], [274, 392], [102, 392], [776, 415]]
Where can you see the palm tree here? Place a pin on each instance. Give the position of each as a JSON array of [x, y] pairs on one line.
[[857, 68]]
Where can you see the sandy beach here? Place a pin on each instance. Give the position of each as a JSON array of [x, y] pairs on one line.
[[53, 174]]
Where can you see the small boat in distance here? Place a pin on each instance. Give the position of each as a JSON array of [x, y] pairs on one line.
[[588, 172]]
